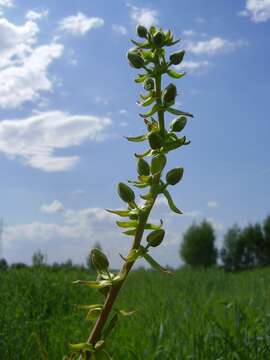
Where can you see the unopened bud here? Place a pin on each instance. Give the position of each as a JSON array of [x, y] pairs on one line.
[[135, 60], [141, 31], [155, 140], [178, 124], [149, 84], [99, 260], [126, 193], [174, 176], [156, 237], [158, 163], [177, 57], [143, 167], [169, 94], [158, 39]]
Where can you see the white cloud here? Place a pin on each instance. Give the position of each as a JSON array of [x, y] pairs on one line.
[[144, 16], [212, 204], [23, 67], [16, 41], [54, 207], [213, 46], [122, 112], [36, 138], [36, 15], [101, 100], [218, 226], [119, 29], [79, 24], [6, 3], [194, 66], [189, 32], [193, 214], [257, 10], [24, 82]]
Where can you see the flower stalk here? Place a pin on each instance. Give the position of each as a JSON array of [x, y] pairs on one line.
[[149, 56]]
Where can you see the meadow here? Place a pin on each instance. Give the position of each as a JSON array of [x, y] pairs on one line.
[[187, 315]]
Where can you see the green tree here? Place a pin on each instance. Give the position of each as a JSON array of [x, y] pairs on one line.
[[252, 242], [89, 264], [38, 258], [3, 265], [266, 236], [198, 246], [231, 252]]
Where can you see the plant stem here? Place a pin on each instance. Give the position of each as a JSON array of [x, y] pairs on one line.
[[113, 293]]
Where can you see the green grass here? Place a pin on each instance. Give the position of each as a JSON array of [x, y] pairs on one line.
[[189, 315]]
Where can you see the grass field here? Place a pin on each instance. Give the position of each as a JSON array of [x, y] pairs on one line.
[[188, 315]]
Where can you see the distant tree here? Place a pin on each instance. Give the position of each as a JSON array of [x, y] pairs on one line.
[[39, 259], [252, 241], [266, 236], [232, 250], [88, 259], [198, 246], [3, 265], [245, 248], [18, 265]]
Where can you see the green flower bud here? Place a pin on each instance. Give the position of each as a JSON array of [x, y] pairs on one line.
[[143, 167], [174, 176], [149, 84], [156, 237], [158, 39], [141, 31], [155, 140], [126, 193], [99, 260], [135, 59], [177, 57], [169, 94], [158, 163], [178, 124]]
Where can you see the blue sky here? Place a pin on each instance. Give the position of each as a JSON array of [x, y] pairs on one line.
[[67, 98]]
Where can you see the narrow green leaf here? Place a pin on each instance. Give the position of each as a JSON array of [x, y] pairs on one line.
[[140, 78], [139, 138], [88, 307], [149, 226], [147, 196], [130, 232], [127, 313], [145, 179], [140, 44], [178, 112], [175, 74], [151, 112], [127, 224], [82, 347], [122, 213], [134, 254], [93, 284], [171, 203], [148, 102], [146, 153], [154, 264], [93, 313]]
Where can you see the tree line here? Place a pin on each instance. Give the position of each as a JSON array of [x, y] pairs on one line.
[[241, 249]]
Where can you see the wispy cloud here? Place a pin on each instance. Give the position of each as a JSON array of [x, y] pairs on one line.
[[120, 29], [6, 3], [213, 46], [257, 10], [79, 24], [212, 204], [36, 138], [36, 15], [194, 66], [54, 207], [144, 16]]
